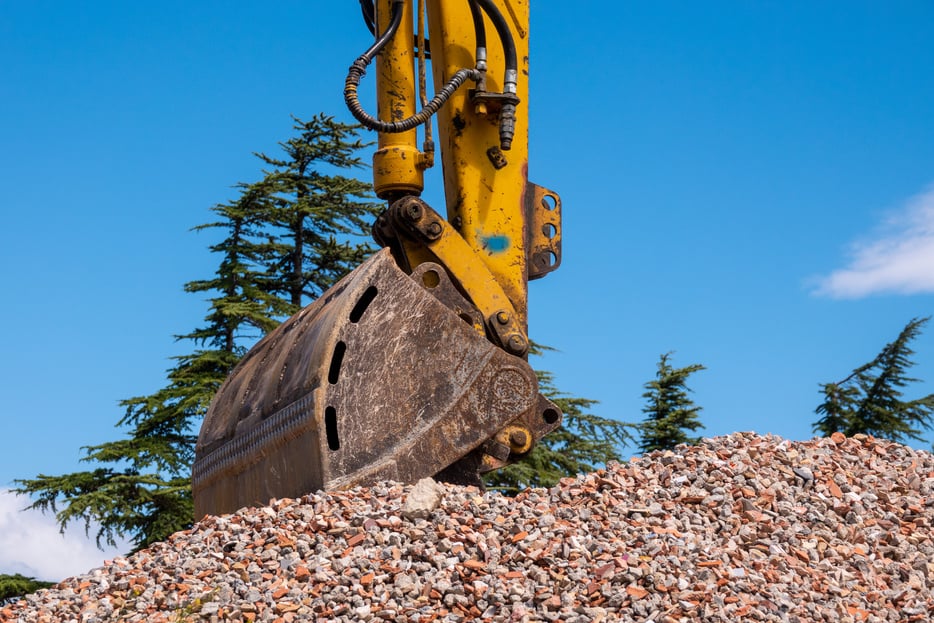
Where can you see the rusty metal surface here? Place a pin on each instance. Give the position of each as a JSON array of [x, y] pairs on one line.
[[543, 217], [376, 380], [435, 279]]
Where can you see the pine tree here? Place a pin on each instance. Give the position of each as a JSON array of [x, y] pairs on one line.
[[669, 410], [246, 309], [14, 586], [142, 487], [583, 443], [315, 209], [869, 400]]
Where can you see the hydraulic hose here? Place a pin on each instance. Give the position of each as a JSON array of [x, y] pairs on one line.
[[358, 69], [479, 33], [507, 116], [369, 15], [395, 19], [505, 35]]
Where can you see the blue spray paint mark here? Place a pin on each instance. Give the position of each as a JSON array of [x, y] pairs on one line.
[[495, 244]]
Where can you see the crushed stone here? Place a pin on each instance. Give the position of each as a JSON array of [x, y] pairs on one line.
[[741, 527]]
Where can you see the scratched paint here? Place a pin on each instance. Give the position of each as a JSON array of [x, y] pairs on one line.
[[495, 244]]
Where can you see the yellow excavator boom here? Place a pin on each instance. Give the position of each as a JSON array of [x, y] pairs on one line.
[[414, 364]]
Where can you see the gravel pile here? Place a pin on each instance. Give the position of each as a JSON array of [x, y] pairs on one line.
[[742, 527]]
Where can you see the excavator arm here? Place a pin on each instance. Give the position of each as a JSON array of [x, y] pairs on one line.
[[414, 364]]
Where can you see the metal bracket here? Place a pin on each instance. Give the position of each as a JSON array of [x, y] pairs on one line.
[[543, 215], [411, 217], [436, 281]]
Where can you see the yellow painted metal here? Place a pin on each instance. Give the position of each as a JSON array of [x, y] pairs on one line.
[[481, 285], [398, 165], [470, 271], [484, 187], [484, 203]]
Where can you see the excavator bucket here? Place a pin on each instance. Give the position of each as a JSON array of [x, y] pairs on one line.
[[385, 377]]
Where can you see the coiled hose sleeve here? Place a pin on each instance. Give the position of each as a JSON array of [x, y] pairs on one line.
[[358, 70]]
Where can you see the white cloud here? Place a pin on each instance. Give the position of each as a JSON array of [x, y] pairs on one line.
[[898, 260], [30, 543]]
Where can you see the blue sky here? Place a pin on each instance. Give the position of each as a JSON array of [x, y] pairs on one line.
[[747, 184]]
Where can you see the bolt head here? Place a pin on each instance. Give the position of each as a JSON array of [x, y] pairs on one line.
[[414, 211], [518, 438], [517, 344]]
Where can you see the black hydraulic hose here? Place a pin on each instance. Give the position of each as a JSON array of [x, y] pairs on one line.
[[369, 15], [395, 19], [507, 115], [358, 69], [478, 26], [480, 36], [505, 35]]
